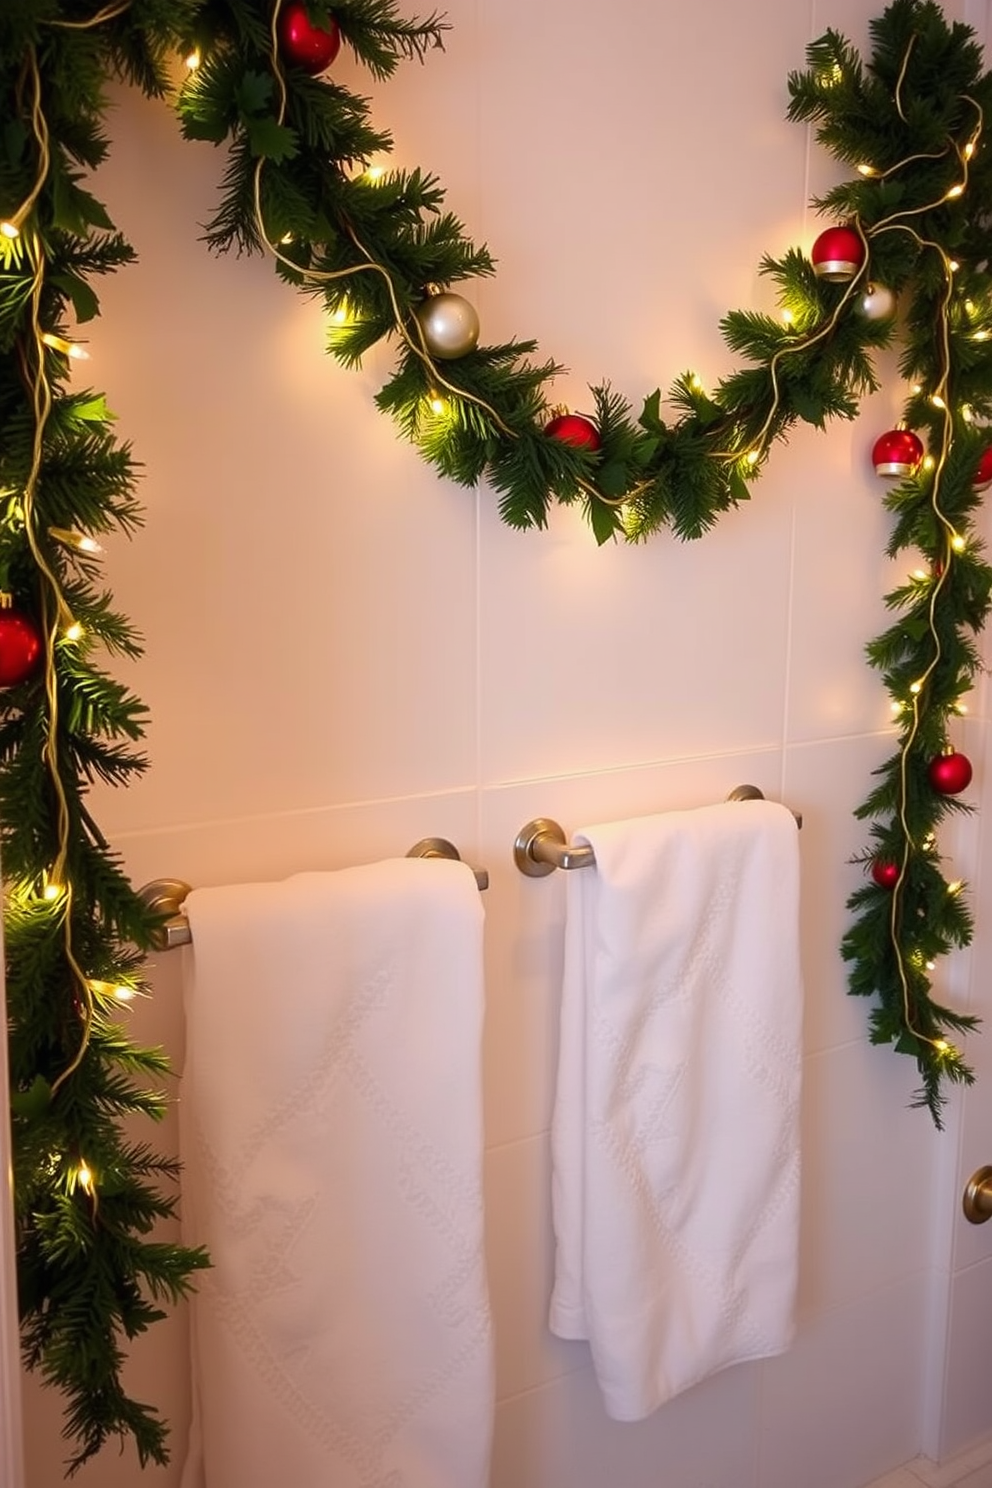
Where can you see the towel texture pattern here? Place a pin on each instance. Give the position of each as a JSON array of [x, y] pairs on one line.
[[675, 1137], [331, 1133]]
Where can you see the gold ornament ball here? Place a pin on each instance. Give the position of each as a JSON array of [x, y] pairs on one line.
[[450, 325], [877, 303]]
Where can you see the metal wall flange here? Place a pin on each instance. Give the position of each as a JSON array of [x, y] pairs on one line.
[[977, 1201], [166, 896], [440, 847], [526, 840]]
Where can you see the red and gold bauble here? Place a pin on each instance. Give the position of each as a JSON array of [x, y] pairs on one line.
[[20, 648], [950, 773], [450, 325], [982, 478], [885, 873], [837, 254], [572, 428], [899, 452], [304, 45]]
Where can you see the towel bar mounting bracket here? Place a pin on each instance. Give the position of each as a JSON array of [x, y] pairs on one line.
[[166, 896], [440, 847]]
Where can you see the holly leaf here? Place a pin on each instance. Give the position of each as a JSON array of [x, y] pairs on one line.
[[613, 477], [74, 210], [270, 140], [807, 406], [604, 521], [84, 299], [738, 487], [650, 418], [253, 93]]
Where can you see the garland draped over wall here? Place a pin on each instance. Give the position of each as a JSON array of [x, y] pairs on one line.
[[908, 252]]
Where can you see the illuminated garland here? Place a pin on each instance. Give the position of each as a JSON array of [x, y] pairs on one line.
[[303, 183]]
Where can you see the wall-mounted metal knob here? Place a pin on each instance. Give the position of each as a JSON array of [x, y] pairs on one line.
[[977, 1202]]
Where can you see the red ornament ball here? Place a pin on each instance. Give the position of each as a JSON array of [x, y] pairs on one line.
[[837, 254], [885, 873], [982, 478], [899, 452], [20, 648], [950, 773], [572, 428], [304, 45]]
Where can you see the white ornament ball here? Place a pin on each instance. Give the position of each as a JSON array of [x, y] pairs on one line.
[[877, 303], [450, 325]]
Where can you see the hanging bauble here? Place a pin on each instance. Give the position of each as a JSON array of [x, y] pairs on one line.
[[304, 45], [837, 254], [572, 428], [450, 325], [20, 647], [877, 303], [899, 452], [950, 773], [982, 478], [885, 873]]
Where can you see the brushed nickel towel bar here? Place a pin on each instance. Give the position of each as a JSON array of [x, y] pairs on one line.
[[167, 895], [541, 846]]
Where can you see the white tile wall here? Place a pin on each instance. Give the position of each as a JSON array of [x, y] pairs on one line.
[[345, 655]]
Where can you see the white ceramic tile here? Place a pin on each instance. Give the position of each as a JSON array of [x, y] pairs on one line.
[[593, 657], [840, 578], [670, 649], [559, 1437], [968, 1401], [827, 782], [520, 1251], [844, 1405], [264, 846], [305, 585], [866, 1178], [662, 220]]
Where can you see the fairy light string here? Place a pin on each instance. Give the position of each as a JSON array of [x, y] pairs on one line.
[[939, 398], [917, 692], [54, 608]]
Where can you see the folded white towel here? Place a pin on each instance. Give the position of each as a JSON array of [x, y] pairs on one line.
[[675, 1138], [331, 1131]]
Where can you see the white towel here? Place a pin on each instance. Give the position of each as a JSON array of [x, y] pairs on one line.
[[675, 1138], [331, 1132]]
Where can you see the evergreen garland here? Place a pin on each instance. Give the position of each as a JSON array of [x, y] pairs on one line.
[[373, 247]]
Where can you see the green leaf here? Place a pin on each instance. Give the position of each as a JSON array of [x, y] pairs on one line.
[[271, 141], [75, 210], [254, 93], [613, 478], [604, 520], [84, 299], [651, 413]]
